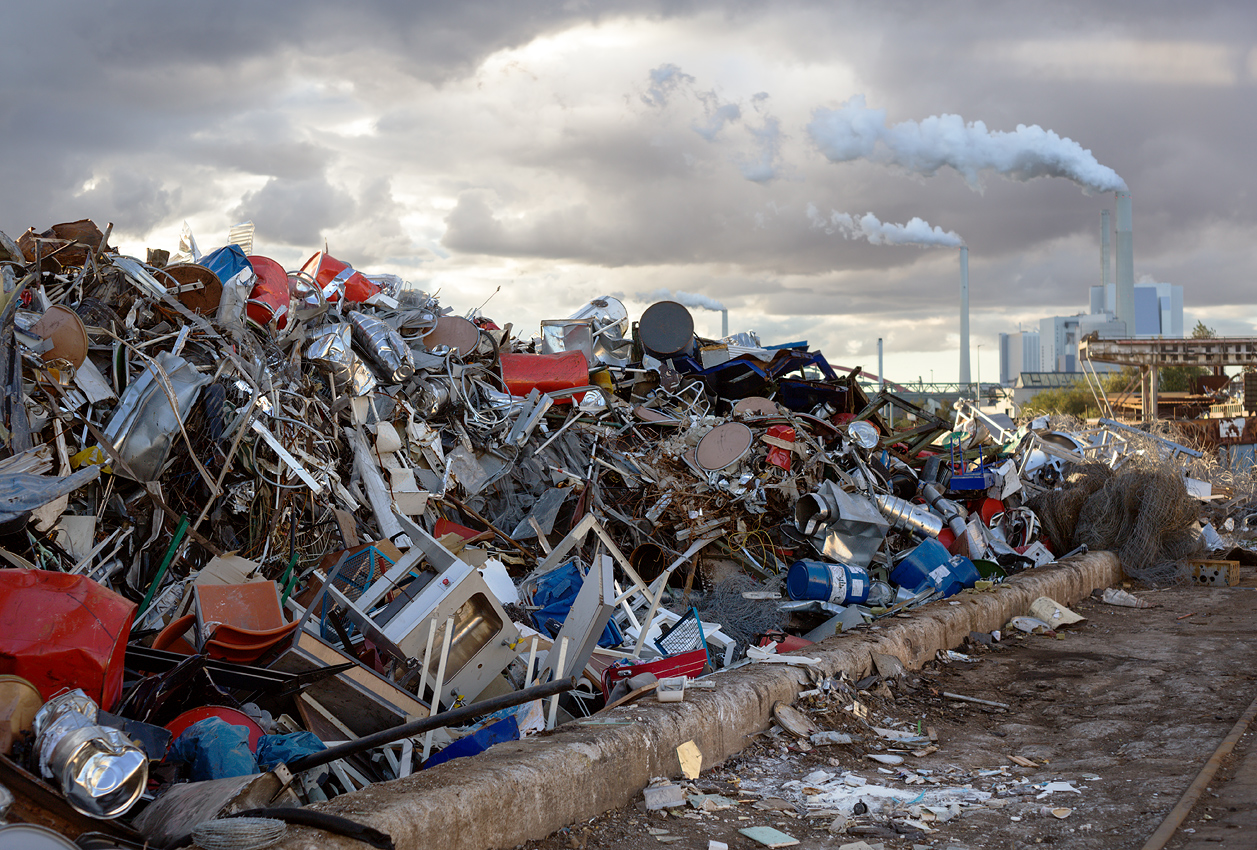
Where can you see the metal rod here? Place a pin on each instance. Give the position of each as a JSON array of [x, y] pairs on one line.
[[532, 658], [554, 700], [448, 718], [510, 541], [964, 698], [1179, 813], [439, 682], [180, 529], [427, 661]]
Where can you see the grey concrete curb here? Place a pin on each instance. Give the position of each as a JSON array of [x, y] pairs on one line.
[[525, 790]]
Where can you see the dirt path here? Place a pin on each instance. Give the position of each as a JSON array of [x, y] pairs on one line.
[[1122, 710]]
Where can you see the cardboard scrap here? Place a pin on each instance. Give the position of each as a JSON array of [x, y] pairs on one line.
[[1053, 613], [691, 760]]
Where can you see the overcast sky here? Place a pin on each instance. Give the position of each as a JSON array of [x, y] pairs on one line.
[[567, 150]]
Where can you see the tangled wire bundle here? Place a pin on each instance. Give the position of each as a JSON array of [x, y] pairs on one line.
[[1142, 512]]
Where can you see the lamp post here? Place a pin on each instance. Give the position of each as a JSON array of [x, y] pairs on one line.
[[977, 395]]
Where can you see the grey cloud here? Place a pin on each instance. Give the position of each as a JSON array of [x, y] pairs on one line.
[[139, 201], [376, 234], [665, 81], [765, 164], [273, 156], [716, 120], [147, 98], [296, 212]]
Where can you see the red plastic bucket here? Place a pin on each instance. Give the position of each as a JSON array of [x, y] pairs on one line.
[[333, 276], [269, 299]]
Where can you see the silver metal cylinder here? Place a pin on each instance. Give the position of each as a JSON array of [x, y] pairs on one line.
[[904, 515], [331, 350], [100, 771], [383, 346], [952, 513]]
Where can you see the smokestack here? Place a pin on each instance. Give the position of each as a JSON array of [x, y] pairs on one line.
[[1106, 255], [964, 316], [881, 372], [1125, 304], [724, 322]]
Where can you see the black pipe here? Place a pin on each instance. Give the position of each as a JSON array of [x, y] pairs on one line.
[[325, 821], [436, 721]]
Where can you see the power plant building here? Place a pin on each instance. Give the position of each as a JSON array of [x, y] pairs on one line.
[[1117, 309]]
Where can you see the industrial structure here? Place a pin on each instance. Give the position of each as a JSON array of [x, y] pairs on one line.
[[1118, 309]]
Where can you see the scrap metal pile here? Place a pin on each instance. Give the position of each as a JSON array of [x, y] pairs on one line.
[[253, 513]]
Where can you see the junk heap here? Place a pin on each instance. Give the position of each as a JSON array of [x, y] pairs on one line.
[[257, 521]]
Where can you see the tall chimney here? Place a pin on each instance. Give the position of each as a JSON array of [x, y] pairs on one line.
[[1125, 265], [724, 322], [1106, 260], [964, 317]]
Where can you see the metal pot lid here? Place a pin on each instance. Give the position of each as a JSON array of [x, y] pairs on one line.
[[104, 776], [67, 332], [649, 414], [723, 446], [29, 836], [864, 434], [793, 720], [755, 405]]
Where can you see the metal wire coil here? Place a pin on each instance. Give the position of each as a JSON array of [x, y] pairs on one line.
[[239, 833]]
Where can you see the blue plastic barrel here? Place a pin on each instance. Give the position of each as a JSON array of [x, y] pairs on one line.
[[843, 584], [915, 569], [965, 571], [931, 564]]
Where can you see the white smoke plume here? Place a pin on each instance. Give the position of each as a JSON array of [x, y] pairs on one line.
[[854, 131], [916, 232], [689, 299]]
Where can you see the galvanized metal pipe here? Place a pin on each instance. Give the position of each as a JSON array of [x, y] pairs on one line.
[[904, 515]]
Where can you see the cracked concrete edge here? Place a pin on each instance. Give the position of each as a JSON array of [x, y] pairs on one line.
[[525, 790]]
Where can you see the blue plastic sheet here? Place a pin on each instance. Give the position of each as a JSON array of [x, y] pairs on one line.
[[478, 742], [213, 749], [227, 262], [274, 750], [556, 591]]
